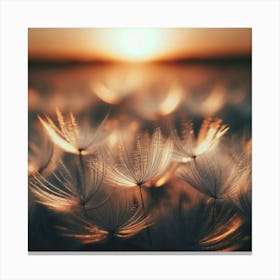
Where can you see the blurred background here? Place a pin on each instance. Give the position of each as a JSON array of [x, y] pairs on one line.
[[143, 76], [198, 72]]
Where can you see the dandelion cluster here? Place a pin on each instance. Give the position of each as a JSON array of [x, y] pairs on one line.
[[139, 166]]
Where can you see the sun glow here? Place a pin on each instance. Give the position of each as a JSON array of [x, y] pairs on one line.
[[136, 44]]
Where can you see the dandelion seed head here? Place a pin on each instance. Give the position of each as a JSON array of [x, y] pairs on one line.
[[143, 163], [71, 137], [212, 175], [189, 147], [67, 191], [119, 217]]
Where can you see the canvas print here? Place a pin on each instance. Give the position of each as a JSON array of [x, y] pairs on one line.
[[139, 139]]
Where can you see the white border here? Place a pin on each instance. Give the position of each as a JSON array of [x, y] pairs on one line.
[[17, 16]]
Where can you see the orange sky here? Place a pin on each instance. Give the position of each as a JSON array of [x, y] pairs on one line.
[[136, 44]]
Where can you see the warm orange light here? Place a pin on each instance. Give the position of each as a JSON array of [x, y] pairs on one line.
[[136, 44], [106, 94], [32, 168], [214, 101], [171, 101], [223, 232]]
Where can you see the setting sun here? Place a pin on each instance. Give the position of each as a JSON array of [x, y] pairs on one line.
[[136, 44]]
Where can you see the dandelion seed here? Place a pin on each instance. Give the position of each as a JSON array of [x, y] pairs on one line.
[[71, 137], [212, 175], [144, 163], [119, 217], [63, 192], [189, 146]]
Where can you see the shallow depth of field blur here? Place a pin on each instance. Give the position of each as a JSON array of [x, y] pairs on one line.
[[139, 139]]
